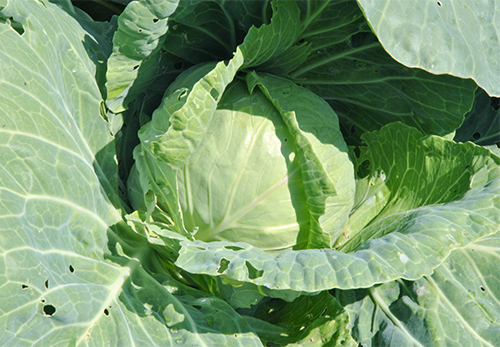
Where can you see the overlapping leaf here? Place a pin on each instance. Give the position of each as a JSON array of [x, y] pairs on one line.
[[443, 37], [137, 58], [482, 123], [327, 173], [367, 89], [437, 222], [59, 286], [457, 305]]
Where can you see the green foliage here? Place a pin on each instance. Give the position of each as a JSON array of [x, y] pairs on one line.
[[249, 173]]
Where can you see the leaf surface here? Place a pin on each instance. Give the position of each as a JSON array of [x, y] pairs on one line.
[[136, 55], [327, 173], [442, 37], [408, 213], [67, 278], [457, 305], [349, 68]]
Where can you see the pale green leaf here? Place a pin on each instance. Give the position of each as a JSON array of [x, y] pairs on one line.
[[458, 305], [136, 49], [442, 37], [67, 279], [421, 227]]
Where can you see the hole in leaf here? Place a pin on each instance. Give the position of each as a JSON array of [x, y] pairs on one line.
[[301, 41], [140, 30], [16, 26], [476, 135], [198, 307], [439, 3], [42, 300], [24, 286], [253, 273], [71, 269], [135, 67], [352, 129], [482, 288], [323, 313], [155, 20], [106, 312], [223, 265], [363, 170], [49, 310], [234, 248], [182, 94], [46, 284], [214, 93]]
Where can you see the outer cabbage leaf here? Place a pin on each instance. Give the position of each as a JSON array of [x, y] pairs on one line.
[[364, 85], [406, 171], [136, 58], [418, 237], [458, 305], [307, 321], [443, 37], [59, 224]]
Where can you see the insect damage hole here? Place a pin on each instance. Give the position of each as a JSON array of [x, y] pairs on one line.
[[223, 265], [253, 273], [49, 310], [106, 312], [439, 3], [16, 26], [24, 286], [46, 284], [71, 268]]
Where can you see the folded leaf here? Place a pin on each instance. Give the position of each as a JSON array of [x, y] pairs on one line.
[[327, 173], [406, 171], [421, 227], [136, 50]]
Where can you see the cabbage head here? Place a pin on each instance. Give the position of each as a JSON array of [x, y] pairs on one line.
[[270, 169]]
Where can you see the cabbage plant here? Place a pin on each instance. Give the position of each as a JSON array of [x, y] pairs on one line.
[[249, 173]]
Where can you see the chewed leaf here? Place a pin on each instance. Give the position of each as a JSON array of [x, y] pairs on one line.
[[136, 54]]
